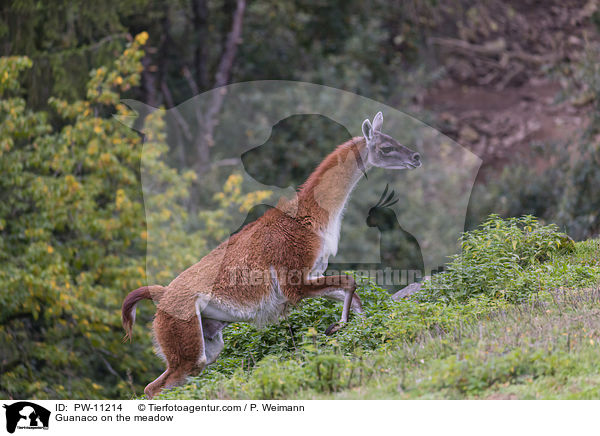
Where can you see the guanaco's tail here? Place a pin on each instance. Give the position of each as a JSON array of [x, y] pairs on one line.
[[153, 293]]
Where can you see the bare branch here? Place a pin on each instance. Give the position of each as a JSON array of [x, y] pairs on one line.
[[200, 26], [108, 38], [233, 39], [195, 90], [178, 118], [190, 80], [227, 162], [205, 140], [493, 50]]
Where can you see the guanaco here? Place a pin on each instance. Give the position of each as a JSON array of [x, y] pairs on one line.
[[269, 265]]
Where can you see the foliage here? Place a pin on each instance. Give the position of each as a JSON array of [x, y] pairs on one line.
[[65, 39], [414, 349], [504, 259], [312, 361], [217, 221], [72, 239], [544, 348], [73, 234], [293, 359]]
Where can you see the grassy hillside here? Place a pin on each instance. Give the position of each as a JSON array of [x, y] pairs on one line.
[[514, 316]]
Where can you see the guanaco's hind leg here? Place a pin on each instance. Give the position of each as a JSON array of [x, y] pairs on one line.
[[182, 343], [340, 288], [213, 338]]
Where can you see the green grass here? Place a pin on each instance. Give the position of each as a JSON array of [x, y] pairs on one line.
[[548, 348], [543, 344]]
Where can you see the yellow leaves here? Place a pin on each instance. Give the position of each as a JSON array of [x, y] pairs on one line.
[[144, 235], [165, 214], [232, 194], [233, 184], [93, 148], [253, 198], [34, 232], [120, 199], [97, 129], [36, 311], [118, 80], [105, 158], [72, 184], [141, 38], [50, 249], [189, 176]]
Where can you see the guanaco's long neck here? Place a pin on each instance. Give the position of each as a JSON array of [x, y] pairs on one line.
[[323, 196]]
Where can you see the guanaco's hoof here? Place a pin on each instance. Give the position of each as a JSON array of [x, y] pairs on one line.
[[333, 328]]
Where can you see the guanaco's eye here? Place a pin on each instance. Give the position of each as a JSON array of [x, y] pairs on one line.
[[387, 149]]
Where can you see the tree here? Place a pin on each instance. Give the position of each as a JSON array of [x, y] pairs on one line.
[[72, 238], [73, 234]]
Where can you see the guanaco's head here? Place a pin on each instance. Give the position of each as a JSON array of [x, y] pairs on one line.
[[384, 151], [381, 215]]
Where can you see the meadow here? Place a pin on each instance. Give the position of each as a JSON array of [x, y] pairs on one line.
[[523, 325]]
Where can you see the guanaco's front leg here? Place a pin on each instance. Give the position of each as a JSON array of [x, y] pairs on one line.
[[339, 288]]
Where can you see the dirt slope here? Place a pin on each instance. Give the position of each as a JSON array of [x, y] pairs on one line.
[[507, 81]]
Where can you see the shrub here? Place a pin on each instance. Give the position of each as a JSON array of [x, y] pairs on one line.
[[294, 358], [500, 259]]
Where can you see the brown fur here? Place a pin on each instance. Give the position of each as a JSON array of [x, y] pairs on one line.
[[286, 238], [334, 174], [181, 342], [145, 292]]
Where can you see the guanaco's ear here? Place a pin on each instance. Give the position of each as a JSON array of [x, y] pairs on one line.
[[378, 122], [367, 130]]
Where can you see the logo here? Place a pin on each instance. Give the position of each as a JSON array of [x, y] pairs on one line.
[[26, 415]]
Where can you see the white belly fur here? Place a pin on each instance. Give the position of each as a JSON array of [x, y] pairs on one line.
[[267, 311]]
